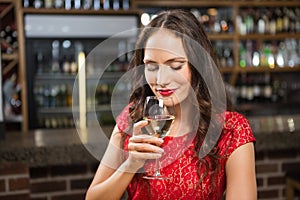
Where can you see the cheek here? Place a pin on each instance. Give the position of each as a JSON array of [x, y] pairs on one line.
[[150, 77], [183, 77]]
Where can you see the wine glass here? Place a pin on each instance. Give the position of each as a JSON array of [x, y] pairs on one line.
[[159, 112]]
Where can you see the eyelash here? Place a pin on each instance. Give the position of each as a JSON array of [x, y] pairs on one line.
[[153, 67]]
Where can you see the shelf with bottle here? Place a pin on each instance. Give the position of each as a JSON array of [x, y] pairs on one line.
[[251, 20], [269, 36], [55, 121], [76, 6], [266, 93], [268, 21], [56, 100], [217, 19], [278, 36], [12, 90], [52, 62], [54, 77], [8, 37], [224, 50], [269, 55]]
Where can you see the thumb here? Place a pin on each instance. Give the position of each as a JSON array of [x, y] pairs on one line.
[[137, 127]]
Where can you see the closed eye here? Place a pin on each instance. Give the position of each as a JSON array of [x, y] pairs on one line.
[[151, 66], [176, 65]]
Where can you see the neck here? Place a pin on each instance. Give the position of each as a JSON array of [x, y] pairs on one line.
[[184, 117]]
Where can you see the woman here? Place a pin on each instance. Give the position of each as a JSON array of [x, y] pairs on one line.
[[170, 61]]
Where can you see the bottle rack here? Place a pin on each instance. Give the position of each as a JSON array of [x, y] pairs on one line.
[[229, 36], [52, 58], [235, 29], [11, 74]]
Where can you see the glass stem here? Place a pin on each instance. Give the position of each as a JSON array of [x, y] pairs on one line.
[[157, 163]]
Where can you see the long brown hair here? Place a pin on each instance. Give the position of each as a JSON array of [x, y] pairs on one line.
[[186, 24]]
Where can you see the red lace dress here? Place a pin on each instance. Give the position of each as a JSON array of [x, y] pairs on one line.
[[181, 164]]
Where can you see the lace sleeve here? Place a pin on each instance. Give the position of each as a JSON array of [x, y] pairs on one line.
[[236, 132], [124, 121]]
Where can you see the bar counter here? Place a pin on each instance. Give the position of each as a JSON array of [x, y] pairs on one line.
[[48, 147], [64, 146], [61, 163]]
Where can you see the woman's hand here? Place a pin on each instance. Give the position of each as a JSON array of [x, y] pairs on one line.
[[143, 147]]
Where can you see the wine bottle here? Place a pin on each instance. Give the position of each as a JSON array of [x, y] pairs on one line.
[[242, 56], [228, 53], [48, 3], [58, 4], [297, 26], [230, 24], [66, 65], [216, 25], [256, 59], [249, 21], [241, 25], [106, 4], [273, 24], [9, 40], [279, 20], [16, 102], [267, 23], [77, 4], [97, 5], [250, 91], [292, 20], [280, 61], [46, 96], [271, 58], [125, 5], [267, 88], [55, 67], [243, 89], [256, 90], [87, 4], [237, 90], [37, 4], [53, 95], [261, 24], [249, 50], [116, 4], [286, 20], [39, 95], [26, 3], [69, 97], [275, 90], [68, 4], [40, 63]]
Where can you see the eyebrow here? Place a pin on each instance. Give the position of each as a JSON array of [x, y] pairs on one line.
[[167, 61]]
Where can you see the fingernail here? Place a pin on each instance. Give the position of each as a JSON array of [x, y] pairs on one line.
[[161, 140], [161, 150]]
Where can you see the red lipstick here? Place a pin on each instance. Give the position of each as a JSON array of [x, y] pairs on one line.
[[166, 92]]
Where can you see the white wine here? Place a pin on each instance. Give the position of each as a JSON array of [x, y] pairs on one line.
[[159, 125]]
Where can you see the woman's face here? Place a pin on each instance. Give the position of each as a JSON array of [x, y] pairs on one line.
[[166, 66]]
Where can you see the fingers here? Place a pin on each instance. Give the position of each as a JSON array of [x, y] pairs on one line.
[[145, 145], [146, 139], [142, 146], [145, 156], [138, 126]]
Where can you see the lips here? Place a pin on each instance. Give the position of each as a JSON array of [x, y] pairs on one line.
[[166, 92]]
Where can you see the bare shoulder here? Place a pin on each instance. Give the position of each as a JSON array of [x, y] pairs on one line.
[[240, 173]]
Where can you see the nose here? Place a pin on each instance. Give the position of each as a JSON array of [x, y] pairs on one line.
[[163, 76]]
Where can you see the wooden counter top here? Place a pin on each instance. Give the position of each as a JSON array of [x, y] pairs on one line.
[[64, 146]]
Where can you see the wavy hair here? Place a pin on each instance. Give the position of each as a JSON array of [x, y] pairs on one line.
[[188, 27]]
